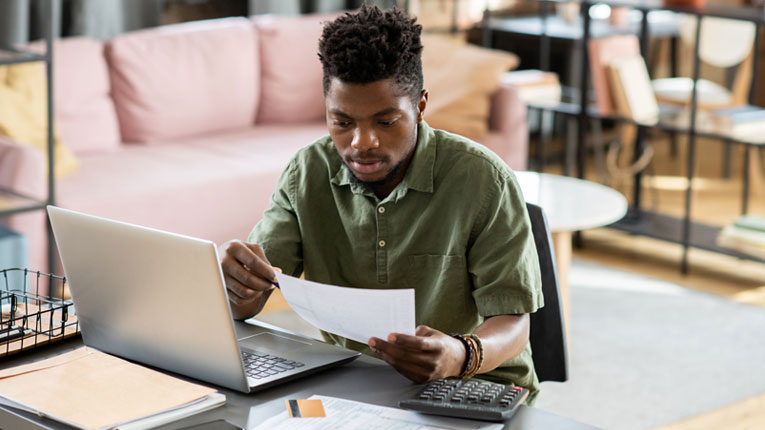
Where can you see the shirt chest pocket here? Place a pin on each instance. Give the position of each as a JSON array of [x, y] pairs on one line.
[[442, 275], [442, 292]]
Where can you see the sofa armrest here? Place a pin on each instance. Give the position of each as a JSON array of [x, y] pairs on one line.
[[22, 169], [507, 119]]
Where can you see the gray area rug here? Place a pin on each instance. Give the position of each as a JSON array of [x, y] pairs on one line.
[[643, 352], [646, 353]]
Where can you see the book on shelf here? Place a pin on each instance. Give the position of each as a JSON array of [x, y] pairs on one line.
[[602, 51], [631, 89], [745, 122], [88, 389], [535, 87], [746, 235], [751, 222]]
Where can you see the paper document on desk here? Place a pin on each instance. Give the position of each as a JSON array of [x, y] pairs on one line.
[[88, 389], [355, 313], [347, 414]]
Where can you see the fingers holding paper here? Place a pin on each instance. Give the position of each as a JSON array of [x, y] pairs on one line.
[[428, 355], [248, 275]]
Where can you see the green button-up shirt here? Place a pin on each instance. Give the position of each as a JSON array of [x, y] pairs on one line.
[[455, 229]]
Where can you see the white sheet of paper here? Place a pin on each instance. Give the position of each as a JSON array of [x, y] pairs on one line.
[[347, 414], [355, 313]]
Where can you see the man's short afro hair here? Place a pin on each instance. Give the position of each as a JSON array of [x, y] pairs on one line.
[[370, 45]]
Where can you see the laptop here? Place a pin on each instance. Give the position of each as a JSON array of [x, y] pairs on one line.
[[159, 298]]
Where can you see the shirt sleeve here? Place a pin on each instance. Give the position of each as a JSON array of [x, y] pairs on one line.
[[502, 259], [279, 232]]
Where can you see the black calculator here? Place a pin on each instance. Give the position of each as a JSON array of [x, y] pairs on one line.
[[467, 398]]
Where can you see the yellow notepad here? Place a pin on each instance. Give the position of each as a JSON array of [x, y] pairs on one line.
[[88, 389]]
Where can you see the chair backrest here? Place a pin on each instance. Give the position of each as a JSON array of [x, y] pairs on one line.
[[724, 43], [548, 333]]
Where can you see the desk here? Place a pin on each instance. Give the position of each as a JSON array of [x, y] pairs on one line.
[[366, 380], [570, 205]]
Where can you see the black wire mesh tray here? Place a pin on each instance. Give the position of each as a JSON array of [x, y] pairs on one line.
[[31, 317]]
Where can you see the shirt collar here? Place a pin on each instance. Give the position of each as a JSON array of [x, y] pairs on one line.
[[419, 174]]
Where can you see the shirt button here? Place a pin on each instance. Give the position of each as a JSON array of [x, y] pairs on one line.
[[382, 244], [381, 209]]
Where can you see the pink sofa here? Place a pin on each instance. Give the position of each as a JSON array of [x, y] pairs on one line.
[[186, 128]]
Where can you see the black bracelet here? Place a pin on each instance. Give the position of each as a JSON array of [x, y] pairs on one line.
[[468, 353]]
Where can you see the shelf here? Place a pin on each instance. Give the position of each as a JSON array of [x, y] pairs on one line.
[[569, 106], [662, 24], [672, 119], [13, 203], [14, 56], [744, 13], [669, 228]]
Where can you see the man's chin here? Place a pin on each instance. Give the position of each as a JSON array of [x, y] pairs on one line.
[[369, 182], [373, 180], [369, 179]]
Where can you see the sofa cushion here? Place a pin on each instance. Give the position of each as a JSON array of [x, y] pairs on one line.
[[290, 44], [460, 80], [214, 187], [184, 79], [83, 108]]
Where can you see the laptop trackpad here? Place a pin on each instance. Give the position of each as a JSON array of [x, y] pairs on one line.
[[273, 342]]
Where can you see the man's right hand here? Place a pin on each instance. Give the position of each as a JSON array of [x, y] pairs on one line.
[[248, 276]]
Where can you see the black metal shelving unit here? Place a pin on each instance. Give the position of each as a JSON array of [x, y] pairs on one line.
[[13, 202], [682, 230]]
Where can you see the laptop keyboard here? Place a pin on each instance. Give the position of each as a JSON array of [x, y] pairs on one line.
[[260, 365]]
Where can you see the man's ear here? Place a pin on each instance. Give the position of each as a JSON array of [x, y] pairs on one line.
[[421, 103]]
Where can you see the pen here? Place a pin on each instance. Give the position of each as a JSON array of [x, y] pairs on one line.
[[275, 284]]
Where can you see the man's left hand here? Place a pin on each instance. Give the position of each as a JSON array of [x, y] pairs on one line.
[[428, 355]]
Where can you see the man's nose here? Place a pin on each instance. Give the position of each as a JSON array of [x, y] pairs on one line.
[[364, 140]]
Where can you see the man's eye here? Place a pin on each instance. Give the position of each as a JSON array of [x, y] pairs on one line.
[[387, 123], [342, 124]]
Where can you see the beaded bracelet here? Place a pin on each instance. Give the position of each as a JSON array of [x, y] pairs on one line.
[[470, 357], [478, 352], [472, 369]]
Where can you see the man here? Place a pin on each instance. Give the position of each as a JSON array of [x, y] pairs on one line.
[[385, 201]]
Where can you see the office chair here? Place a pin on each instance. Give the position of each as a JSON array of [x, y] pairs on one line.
[[548, 333]]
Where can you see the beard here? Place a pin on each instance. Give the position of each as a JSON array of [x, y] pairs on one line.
[[387, 179]]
